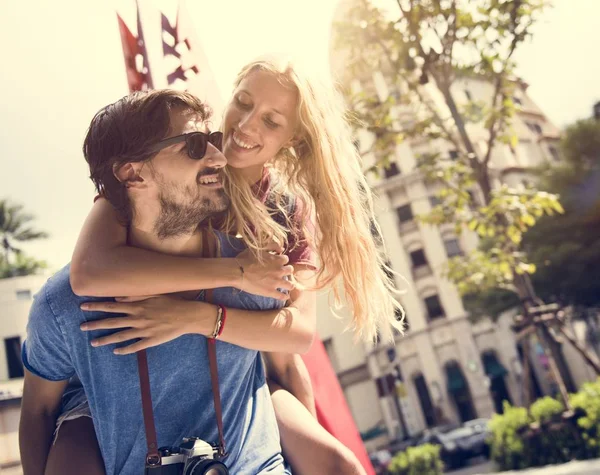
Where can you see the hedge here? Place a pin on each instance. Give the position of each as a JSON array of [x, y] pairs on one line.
[[422, 460], [547, 434]]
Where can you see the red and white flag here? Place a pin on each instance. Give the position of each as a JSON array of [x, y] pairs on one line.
[[161, 49]]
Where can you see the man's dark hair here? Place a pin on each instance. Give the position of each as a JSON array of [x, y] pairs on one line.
[[125, 132]]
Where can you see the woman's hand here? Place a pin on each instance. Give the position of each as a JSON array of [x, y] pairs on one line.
[[154, 321], [265, 273]]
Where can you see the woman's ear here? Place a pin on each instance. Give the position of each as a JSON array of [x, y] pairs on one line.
[[302, 148], [128, 173], [299, 145]]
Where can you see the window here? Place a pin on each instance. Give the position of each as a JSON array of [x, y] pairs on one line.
[[23, 294], [554, 152], [434, 307], [418, 258], [13, 357], [452, 247], [536, 128], [391, 170], [453, 154], [404, 213], [434, 201], [386, 385]]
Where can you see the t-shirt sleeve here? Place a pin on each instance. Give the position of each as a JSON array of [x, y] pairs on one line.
[[45, 352], [301, 251]]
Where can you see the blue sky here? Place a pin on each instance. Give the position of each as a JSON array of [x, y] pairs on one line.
[[62, 61]]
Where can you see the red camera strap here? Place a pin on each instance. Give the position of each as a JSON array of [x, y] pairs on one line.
[[153, 456]]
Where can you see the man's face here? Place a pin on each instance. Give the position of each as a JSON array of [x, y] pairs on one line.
[[188, 190]]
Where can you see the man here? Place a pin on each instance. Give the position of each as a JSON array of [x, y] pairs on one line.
[[163, 188]]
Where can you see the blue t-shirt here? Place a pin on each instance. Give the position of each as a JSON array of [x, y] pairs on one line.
[[56, 349]]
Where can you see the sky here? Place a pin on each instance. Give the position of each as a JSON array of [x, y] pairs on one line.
[[62, 61]]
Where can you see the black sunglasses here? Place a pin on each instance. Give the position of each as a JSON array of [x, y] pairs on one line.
[[196, 143]]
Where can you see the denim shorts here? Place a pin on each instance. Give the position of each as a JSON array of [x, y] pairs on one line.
[[74, 405]]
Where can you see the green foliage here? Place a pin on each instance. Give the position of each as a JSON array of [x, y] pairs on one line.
[[20, 266], [508, 448], [422, 460], [581, 144], [15, 227], [546, 409], [545, 436], [587, 399], [491, 303], [568, 245], [421, 49]]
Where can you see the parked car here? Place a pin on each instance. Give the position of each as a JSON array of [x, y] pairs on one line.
[[458, 445], [380, 460], [400, 445]]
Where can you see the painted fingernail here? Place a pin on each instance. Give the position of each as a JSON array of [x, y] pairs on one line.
[[95, 343], [83, 326], [117, 352], [84, 306]]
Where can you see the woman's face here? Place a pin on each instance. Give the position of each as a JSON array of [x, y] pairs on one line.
[[260, 119]]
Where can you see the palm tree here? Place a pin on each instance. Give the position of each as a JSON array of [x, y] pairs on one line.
[[15, 227]]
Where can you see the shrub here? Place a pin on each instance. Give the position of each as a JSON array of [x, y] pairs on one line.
[[587, 400], [508, 449], [546, 409], [547, 435], [422, 460]]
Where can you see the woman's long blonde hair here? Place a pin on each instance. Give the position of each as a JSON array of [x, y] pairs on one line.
[[323, 169]]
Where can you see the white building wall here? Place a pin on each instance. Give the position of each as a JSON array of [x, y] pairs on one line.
[[15, 300], [361, 395]]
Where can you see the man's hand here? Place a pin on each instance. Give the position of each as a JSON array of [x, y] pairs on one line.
[[265, 273], [154, 321]]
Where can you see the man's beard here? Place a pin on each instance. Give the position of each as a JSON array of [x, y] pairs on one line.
[[182, 209]]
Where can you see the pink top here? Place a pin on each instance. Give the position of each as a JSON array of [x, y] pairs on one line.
[[300, 251]]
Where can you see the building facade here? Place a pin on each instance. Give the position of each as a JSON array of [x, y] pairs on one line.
[[446, 369], [15, 301]]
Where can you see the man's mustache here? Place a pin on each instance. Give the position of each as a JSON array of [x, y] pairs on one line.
[[209, 171]]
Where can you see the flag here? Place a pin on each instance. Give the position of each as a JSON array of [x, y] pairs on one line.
[[166, 52], [136, 58]]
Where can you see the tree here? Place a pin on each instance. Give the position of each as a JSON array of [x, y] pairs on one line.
[[15, 227], [566, 248], [422, 49]]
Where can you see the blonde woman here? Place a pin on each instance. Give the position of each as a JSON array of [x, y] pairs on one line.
[[290, 157]]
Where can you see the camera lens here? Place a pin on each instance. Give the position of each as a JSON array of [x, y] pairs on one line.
[[206, 467]]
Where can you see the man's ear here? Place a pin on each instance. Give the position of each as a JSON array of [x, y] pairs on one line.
[[129, 173]]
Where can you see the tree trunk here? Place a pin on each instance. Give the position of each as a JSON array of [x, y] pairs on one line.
[[558, 366], [457, 118]]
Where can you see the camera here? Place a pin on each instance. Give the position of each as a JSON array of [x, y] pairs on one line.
[[192, 457]]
